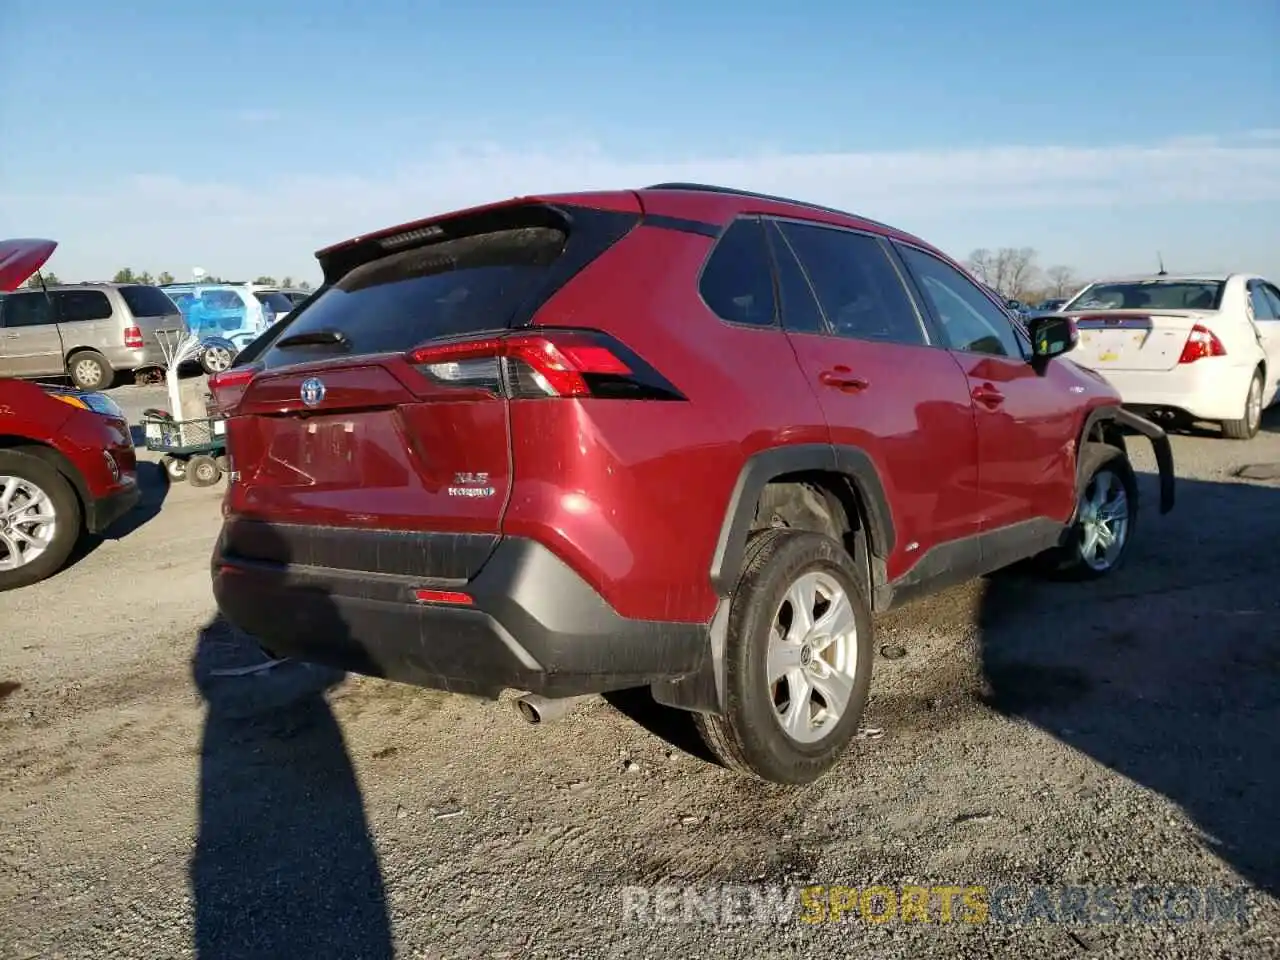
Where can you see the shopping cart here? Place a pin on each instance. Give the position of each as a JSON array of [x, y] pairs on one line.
[[192, 450]]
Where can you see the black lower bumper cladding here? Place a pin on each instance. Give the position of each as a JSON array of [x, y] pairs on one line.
[[102, 513], [532, 623], [1163, 451]]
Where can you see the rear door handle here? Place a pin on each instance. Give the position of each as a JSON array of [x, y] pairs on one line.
[[988, 396], [842, 378]]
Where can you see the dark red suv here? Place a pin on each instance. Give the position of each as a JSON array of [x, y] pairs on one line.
[[683, 437]]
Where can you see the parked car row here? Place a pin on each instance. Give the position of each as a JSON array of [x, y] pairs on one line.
[[91, 332]]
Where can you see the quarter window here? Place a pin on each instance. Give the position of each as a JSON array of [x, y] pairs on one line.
[[859, 290], [737, 281], [1262, 308], [970, 321]]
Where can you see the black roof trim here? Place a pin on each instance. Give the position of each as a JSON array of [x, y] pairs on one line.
[[735, 192]]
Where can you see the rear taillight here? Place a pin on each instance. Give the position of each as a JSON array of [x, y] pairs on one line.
[[1201, 343], [550, 363], [229, 386], [133, 338]]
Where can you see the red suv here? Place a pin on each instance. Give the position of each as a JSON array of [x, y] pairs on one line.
[[683, 437], [67, 463]]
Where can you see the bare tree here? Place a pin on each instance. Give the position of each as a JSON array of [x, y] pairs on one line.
[[1062, 280], [981, 264], [1015, 271], [1010, 271]]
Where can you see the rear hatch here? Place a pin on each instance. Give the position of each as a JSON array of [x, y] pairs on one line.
[[1133, 340], [19, 259], [344, 423]]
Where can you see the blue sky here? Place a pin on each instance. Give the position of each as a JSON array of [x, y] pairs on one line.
[[243, 136]]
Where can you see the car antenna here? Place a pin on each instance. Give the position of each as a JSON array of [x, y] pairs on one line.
[[1162, 271]]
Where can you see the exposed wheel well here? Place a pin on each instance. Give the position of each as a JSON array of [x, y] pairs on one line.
[[51, 456], [66, 359], [819, 501], [1105, 431]]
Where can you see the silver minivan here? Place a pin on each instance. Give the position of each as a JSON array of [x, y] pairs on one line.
[[86, 331]]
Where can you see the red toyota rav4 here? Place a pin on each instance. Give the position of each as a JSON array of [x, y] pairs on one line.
[[67, 464], [683, 437]]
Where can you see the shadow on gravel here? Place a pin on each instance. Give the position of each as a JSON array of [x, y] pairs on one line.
[[1167, 672], [284, 865], [666, 723], [154, 487]]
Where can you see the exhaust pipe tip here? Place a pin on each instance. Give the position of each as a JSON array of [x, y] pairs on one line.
[[534, 709], [528, 712]]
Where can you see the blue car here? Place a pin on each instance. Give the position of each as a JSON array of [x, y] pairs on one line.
[[225, 317]]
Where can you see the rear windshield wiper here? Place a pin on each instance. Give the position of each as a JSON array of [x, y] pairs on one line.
[[315, 337]]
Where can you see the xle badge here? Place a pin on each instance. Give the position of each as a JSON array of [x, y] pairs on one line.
[[471, 485]]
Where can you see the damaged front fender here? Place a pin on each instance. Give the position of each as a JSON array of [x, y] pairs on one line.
[[1163, 451]]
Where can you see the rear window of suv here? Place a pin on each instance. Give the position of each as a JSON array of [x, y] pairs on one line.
[[462, 285], [276, 301], [148, 302]]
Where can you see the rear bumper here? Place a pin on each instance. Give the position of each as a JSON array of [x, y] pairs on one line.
[[533, 623], [1209, 389], [122, 358]]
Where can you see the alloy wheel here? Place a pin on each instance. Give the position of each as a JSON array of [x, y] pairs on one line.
[[1104, 520], [28, 522], [812, 657]]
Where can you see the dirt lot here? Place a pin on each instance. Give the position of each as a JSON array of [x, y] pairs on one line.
[[1122, 733]]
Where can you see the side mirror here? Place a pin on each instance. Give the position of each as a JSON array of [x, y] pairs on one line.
[[1052, 336]]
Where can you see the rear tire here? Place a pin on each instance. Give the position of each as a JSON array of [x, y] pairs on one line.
[[25, 479], [89, 370], [215, 359], [821, 675], [1247, 427], [202, 471]]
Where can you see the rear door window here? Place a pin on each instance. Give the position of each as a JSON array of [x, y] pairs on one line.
[[800, 310], [462, 285], [80, 306], [148, 302], [857, 285]]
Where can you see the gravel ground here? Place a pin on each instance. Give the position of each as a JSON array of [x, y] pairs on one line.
[[1120, 733]]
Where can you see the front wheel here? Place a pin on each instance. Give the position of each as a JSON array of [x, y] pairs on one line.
[[798, 660], [174, 469], [1106, 514], [39, 520]]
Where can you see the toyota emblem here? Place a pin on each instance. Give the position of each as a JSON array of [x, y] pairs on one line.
[[312, 391]]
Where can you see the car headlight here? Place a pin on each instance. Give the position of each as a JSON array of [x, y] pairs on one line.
[[97, 402]]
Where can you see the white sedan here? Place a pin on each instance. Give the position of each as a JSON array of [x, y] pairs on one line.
[[1203, 347]]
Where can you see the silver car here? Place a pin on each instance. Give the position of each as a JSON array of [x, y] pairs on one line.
[[86, 331]]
